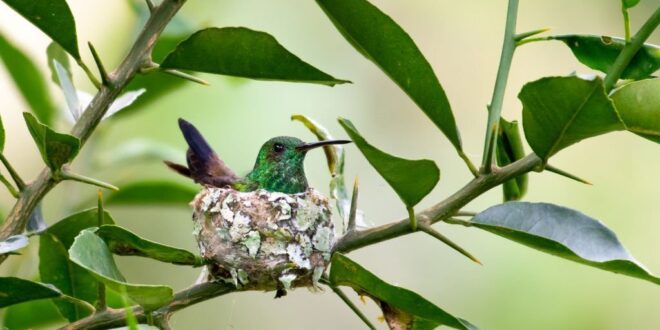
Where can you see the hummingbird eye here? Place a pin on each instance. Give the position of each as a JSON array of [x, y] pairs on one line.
[[278, 147]]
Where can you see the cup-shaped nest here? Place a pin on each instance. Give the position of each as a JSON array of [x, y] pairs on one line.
[[263, 240]]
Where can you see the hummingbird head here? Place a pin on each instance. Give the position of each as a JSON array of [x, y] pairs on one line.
[[279, 165]]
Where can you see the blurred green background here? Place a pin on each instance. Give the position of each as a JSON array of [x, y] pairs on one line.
[[517, 288]]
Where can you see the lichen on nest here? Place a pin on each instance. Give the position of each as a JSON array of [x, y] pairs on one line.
[[263, 240]]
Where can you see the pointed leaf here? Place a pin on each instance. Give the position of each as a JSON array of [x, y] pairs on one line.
[[123, 101], [56, 268], [410, 179], [629, 3], [509, 150], [55, 52], [241, 52], [53, 17], [56, 149], [380, 39], [563, 232], [14, 290], [400, 306], [125, 243], [561, 111], [69, 90], [2, 136], [28, 79], [153, 192], [638, 104], [13, 243], [68, 228], [600, 52], [90, 252]]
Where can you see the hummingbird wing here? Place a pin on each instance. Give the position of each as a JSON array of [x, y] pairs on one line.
[[204, 165]]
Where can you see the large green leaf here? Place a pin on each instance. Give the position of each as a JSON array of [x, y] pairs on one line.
[[241, 52], [562, 232], [638, 104], [28, 79], [56, 149], [155, 192], [509, 150], [123, 242], [56, 268], [14, 290], [380, 39], [23, 316], [561, 111], [53, 17], [68, 228], [600, 52], [400, 306], [90, 252], [410, 179]]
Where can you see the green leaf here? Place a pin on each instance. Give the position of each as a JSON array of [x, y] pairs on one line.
[[55, 52], [410, 179], [56, 149], [53, 17], [153, 192], [638, 104], [23, 316], [561, 111], [406, 308], [28, 79], [15, 290], [56, 268], [562, 232], [68, 228], [600, 52], [2, 136], [13, 243], [123, 242], [69, 90], [381, 40], [241, 52], [509, 150], [629, 3], [90, 252]]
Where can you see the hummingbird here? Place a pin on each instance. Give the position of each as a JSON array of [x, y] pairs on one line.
[[278, 168]]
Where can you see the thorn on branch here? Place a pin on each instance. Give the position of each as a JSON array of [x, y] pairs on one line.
[[353, 212], [151, 6], [20, 184], [104, 74], [427, 229]]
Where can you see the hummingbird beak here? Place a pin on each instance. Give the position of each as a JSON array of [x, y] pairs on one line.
[[309, 146]]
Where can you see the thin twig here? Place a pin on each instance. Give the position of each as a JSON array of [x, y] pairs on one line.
[[352, 306], [81, 178], [104, 74], [9, 186]]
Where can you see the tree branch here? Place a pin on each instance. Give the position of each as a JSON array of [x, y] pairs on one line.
[[112, 318], [32, 194], [450, 206]]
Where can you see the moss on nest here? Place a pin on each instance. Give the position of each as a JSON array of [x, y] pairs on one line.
[[264, 240]]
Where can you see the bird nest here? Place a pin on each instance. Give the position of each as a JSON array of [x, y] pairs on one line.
[[264, 240]]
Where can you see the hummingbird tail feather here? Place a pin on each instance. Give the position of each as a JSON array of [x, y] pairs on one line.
[[204, 165], [178, 168]]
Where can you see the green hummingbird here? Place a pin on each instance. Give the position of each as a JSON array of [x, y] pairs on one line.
[[279, 166]]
